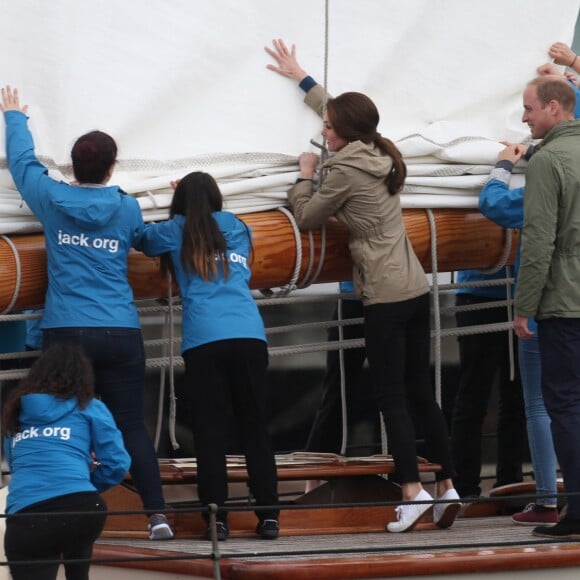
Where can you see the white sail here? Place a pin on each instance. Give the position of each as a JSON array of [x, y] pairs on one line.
[[183, 84]]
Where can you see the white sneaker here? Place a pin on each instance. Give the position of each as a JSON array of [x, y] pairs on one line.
[[409, 514], [444, 513]]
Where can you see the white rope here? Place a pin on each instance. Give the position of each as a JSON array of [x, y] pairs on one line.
[[343, 407], [291, 285], [511, 341], [18, 280], [505, 254], [306, 281], [170, 327], [436, 306]]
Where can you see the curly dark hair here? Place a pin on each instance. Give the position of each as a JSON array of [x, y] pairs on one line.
[[63, 370]]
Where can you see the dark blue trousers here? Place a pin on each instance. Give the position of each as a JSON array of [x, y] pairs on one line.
[[560, 353]]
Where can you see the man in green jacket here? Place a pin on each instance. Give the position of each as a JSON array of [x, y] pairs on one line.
[[549, 274]]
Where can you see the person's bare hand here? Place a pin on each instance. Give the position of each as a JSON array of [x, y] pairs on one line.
[[174, 183], [10, 100], [571, 77], [308, 163], [521, 327], [549, 68], [287, 64], [561, 53], [513, 152]]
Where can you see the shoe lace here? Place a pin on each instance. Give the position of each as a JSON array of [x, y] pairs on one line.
[[529, 508]]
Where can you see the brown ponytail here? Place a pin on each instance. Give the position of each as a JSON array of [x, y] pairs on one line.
[[396, 178]]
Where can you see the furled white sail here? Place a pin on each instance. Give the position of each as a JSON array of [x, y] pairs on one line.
[[182, 85]]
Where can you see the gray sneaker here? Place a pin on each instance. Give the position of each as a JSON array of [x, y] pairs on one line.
[[159, 528]]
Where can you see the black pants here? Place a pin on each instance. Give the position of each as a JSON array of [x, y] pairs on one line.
[[49, 537], [398, 348], [219, 374], [483, 361], [326, 432], [560, 354]]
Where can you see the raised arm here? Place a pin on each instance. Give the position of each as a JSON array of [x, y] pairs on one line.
[[10, 100], [287, 65], [564, 55]]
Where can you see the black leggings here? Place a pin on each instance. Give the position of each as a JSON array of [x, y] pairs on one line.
[[397, 345], [49, 537]]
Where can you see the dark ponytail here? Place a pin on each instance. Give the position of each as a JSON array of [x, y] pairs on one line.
[[355, 118]]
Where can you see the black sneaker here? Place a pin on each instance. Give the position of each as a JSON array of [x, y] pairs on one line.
[[221, 529], [566, 529], [268, 529]]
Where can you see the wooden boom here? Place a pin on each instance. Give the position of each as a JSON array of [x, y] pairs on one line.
[[465, 239]]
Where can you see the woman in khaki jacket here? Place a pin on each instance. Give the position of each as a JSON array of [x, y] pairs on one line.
[[362, 178]]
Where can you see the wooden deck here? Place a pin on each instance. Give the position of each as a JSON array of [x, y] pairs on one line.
[[336, 531], [485, 545]]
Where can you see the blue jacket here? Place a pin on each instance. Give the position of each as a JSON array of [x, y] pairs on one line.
[[504, 206], [88, 234], [220, 309], [496, 292], [51, 455]]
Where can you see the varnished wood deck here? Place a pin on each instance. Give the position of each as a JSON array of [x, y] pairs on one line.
[[490, 544], [336, 531]]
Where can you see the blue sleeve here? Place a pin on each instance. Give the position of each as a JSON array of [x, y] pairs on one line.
[[28, 173], [307, 83], [160, 238], [499, 203], [107, 445], [577, 107], [138, 225]]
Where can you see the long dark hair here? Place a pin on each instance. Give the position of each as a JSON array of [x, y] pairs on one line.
[[93, 155], [355, 117], [196, 196], [62, 370]]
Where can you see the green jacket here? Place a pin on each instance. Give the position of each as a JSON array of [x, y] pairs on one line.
[[549, 274], [385, 267]]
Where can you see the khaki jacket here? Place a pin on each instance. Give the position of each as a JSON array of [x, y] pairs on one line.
[[385, 267]]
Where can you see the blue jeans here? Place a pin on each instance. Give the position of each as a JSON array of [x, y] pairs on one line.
[[118, 357], [542, 451]]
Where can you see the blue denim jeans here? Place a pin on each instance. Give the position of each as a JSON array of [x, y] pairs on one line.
[[538, 421], [118, 357]]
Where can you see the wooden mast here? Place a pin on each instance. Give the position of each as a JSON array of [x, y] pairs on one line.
[[465, 239]]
